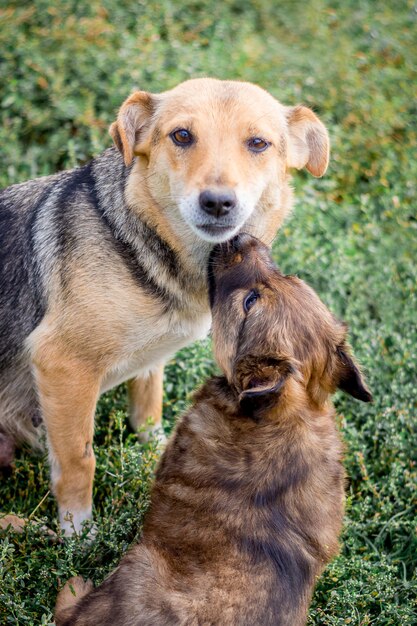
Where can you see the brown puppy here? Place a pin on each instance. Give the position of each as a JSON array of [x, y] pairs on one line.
[[103, 268], [248, 500]]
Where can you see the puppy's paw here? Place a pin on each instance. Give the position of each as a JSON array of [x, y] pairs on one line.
[[74, 589]]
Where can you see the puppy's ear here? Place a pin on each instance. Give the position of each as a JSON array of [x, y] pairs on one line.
[[133, 118], [350, 378], [309, 142], [262, 377]]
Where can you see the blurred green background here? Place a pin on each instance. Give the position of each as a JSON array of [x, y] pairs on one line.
[[65, 67]]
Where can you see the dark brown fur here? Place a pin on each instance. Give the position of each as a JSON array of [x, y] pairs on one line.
[[247, 503]]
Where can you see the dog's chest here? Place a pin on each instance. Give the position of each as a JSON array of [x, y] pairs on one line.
[[155, 342]]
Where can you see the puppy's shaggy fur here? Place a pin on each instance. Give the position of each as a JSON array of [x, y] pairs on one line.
[[248, 500]]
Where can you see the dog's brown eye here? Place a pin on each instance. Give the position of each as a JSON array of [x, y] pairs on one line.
[[182, 137], [250, 300], [256, 144]]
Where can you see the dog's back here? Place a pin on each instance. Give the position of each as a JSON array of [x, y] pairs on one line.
[[38, 221], [21, 305], [41, 224]]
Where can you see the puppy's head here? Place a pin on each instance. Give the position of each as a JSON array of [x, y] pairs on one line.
[[272, 334], [216, 153]]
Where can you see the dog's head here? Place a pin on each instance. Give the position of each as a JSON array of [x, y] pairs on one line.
[[272, 334], [217, 153]]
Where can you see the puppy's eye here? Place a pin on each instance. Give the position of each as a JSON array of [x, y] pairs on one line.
[[250, 300], [257, 144], [182, 137]]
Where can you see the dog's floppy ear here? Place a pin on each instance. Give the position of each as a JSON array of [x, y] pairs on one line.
[[349, 376], [132, 119], [260, 377], [308, 142]]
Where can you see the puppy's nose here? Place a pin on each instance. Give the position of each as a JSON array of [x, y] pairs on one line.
[[217, 203], [239, 242]]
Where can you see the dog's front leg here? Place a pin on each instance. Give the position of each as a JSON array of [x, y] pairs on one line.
[[68, 390], [145, 401]]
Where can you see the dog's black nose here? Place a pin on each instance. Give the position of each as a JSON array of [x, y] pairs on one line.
[[217, 203]]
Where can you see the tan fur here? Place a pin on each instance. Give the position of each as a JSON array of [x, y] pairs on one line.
[[68, 394], [102, 325], [14, 524], [248, 499], [145, 398], [75, 589], [309, 145]]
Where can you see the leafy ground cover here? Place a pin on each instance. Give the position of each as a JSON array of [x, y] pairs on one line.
[[65, 67]]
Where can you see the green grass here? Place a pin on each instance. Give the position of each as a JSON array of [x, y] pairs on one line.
[[65, 67]]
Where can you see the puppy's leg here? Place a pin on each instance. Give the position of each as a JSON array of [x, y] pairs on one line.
[[68, 390], [145, 401], [7, 450], [75, 589]]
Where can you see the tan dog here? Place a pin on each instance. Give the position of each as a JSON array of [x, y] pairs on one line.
[[247, 504], [103, 268]]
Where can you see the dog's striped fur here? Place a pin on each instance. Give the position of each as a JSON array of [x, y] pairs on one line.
[[103, 268]]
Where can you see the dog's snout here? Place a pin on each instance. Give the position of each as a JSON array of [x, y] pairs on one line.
[[217, 203]]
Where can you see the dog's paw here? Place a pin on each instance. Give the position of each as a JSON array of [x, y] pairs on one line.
[[155, 433], [12, 523], [78, 523], [15, 524]]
